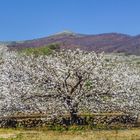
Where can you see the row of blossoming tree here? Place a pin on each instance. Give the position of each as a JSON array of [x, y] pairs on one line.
[[66, 82]]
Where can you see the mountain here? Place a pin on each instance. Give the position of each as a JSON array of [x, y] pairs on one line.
[[108, 42], [4, 43]]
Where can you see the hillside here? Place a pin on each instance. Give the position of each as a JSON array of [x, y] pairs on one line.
[[108, 42]]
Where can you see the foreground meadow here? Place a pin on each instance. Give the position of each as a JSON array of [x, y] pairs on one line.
[[132, 134]]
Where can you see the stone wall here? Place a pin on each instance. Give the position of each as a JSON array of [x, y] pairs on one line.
[[92, 120]]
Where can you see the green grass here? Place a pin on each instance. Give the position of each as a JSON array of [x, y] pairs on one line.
[[40, 134]]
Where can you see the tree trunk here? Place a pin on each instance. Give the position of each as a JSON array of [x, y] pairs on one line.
[[73, 108], [74, 117]]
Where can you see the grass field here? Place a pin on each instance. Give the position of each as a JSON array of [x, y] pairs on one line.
[[10, 134]]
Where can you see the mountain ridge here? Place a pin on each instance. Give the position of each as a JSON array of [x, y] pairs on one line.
[[107, 42]]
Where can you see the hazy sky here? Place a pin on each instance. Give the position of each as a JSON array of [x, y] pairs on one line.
[[27, 19]]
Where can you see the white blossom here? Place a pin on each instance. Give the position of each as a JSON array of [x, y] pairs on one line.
[[67, 82]]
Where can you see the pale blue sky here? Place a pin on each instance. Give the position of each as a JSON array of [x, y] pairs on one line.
[[27, 19]]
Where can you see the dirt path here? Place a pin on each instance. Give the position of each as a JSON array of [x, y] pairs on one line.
[[6, 136]]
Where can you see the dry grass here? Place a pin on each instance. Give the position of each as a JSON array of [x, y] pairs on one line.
[[133, 134]]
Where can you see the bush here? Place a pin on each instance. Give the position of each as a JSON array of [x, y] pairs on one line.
[[45, 50], [37, 51]]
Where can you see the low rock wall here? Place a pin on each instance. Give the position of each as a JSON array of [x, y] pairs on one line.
[[92, 120]]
